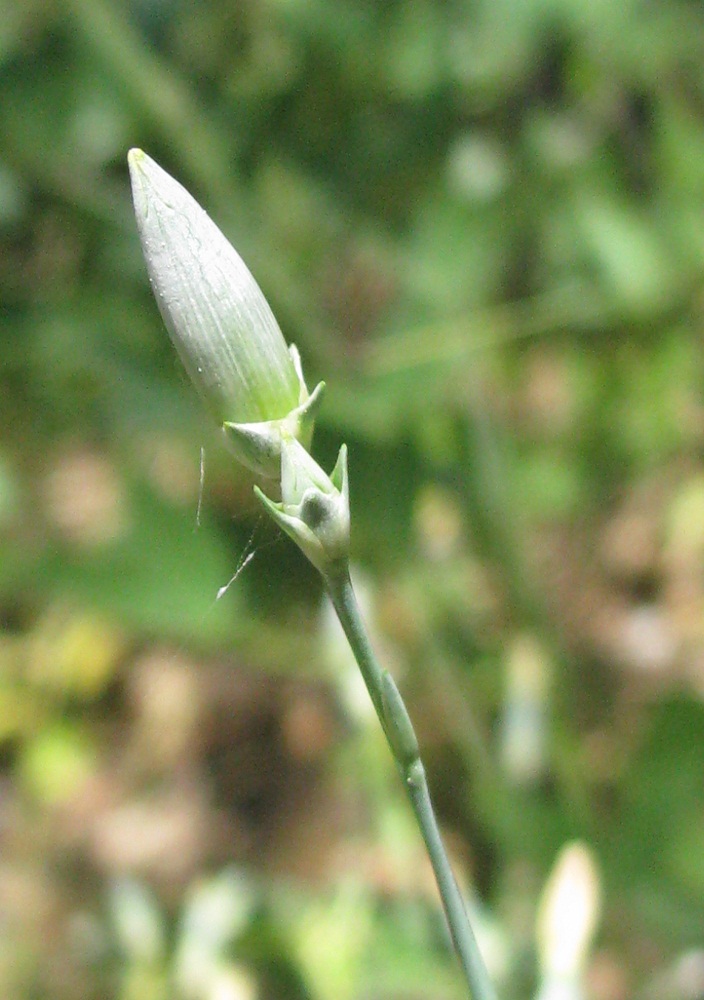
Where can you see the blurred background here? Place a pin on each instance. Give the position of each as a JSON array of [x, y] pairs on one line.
[[483, 225]]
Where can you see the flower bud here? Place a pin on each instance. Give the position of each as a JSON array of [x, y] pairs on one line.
[[220, 322], [314, 509]]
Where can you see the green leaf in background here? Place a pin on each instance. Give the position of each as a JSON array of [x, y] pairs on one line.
[[160, 576]]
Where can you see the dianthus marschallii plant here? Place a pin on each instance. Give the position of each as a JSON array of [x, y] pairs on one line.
[[235, 353]]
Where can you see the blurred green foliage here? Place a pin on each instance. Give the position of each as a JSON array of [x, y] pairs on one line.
[[482, 225]]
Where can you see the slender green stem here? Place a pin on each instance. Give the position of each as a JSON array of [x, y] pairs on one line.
[[460, 928], [339, 587], [399, 733]]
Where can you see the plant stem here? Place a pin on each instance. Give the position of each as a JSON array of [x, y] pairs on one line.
[[339, 587]]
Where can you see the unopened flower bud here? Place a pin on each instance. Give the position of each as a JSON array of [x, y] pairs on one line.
[[220, 322]]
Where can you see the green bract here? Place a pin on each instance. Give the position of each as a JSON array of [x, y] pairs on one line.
[[315, 508], [220, 322]]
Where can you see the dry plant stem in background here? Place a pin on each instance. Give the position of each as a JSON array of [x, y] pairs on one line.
[[233, 349]]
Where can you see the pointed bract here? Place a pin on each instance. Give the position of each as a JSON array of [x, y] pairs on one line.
[[258, 445], [314, 511]]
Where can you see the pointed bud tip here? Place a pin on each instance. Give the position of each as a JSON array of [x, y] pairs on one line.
[[151, 183], [135, 162], [138, 164]]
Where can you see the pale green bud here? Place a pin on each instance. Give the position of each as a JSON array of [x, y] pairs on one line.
[[220, 322], [315, 508]]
